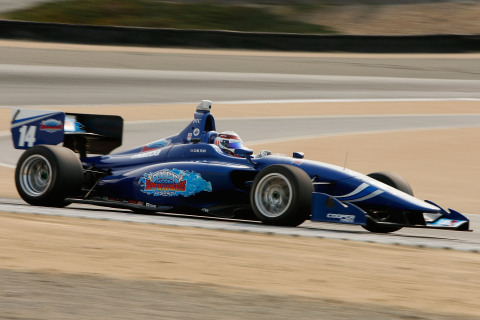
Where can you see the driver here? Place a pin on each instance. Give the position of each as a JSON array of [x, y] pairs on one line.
[[228, 141]]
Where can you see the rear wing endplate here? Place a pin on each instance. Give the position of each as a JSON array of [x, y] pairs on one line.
[[82, 133]]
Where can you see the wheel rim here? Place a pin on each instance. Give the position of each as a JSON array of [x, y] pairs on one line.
[[35, 175], [273, 195]]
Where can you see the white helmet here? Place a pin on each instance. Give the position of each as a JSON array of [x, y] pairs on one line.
[[228, 141]]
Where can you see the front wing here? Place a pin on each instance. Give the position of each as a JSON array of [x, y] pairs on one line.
[[325, 208]]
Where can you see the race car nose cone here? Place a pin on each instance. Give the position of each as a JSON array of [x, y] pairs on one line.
[[405, 201]]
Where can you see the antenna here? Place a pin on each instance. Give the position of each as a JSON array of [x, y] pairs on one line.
[[345, 164]]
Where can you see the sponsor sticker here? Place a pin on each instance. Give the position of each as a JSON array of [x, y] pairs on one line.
[[198, 150], [51, 125], [146, 154], [196, 132], [133, 202], [174, 182], [347, 218], [443, 222]]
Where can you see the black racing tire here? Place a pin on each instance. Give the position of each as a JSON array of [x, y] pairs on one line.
[[281, 195], [45, 175], [395, 181]]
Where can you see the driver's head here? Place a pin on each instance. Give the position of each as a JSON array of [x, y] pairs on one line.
[[228, 141]]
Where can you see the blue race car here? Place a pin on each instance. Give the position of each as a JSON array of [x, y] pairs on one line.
[[200, 171]]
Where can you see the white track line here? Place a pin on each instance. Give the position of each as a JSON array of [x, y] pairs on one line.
[[6, 165], [281, 101], [345, 100]]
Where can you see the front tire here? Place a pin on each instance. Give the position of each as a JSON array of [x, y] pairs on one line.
[[281, 195], [395, 181], [45, 175]]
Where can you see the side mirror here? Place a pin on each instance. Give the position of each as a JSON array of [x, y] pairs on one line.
[[244, 153], [298, 155]]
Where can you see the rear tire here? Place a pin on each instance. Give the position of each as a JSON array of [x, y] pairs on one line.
[[281, 195], [45, 175], [395, 181]]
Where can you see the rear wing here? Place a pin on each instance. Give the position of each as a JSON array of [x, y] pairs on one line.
[[82, 133]]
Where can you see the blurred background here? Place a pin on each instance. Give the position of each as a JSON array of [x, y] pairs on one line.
[[375, 17]]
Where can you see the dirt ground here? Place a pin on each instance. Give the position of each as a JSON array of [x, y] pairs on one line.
[[58, 268]]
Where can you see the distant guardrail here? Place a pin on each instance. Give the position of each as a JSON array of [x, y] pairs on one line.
[[112, 35]]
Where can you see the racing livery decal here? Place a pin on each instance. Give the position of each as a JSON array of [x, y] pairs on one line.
[[144, 154], [174, 182], [72, 125], [51, 125], [362, 192], [156, 145]]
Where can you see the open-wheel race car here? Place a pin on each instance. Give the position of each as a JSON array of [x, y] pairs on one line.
[[200, 171]]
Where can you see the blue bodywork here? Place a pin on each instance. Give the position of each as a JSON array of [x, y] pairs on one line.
[[187, 172]]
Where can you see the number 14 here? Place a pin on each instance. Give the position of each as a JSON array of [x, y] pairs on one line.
[[27, 134]]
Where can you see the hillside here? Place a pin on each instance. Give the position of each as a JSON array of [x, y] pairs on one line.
[[368, 17]]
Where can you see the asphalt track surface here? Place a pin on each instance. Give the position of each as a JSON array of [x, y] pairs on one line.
[[44, 77], [58, 85], [73, 76]]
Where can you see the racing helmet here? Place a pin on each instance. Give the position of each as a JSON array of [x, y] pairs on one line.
[[228, 141]]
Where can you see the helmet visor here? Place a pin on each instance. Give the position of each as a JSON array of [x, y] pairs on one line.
[[234, 144]]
